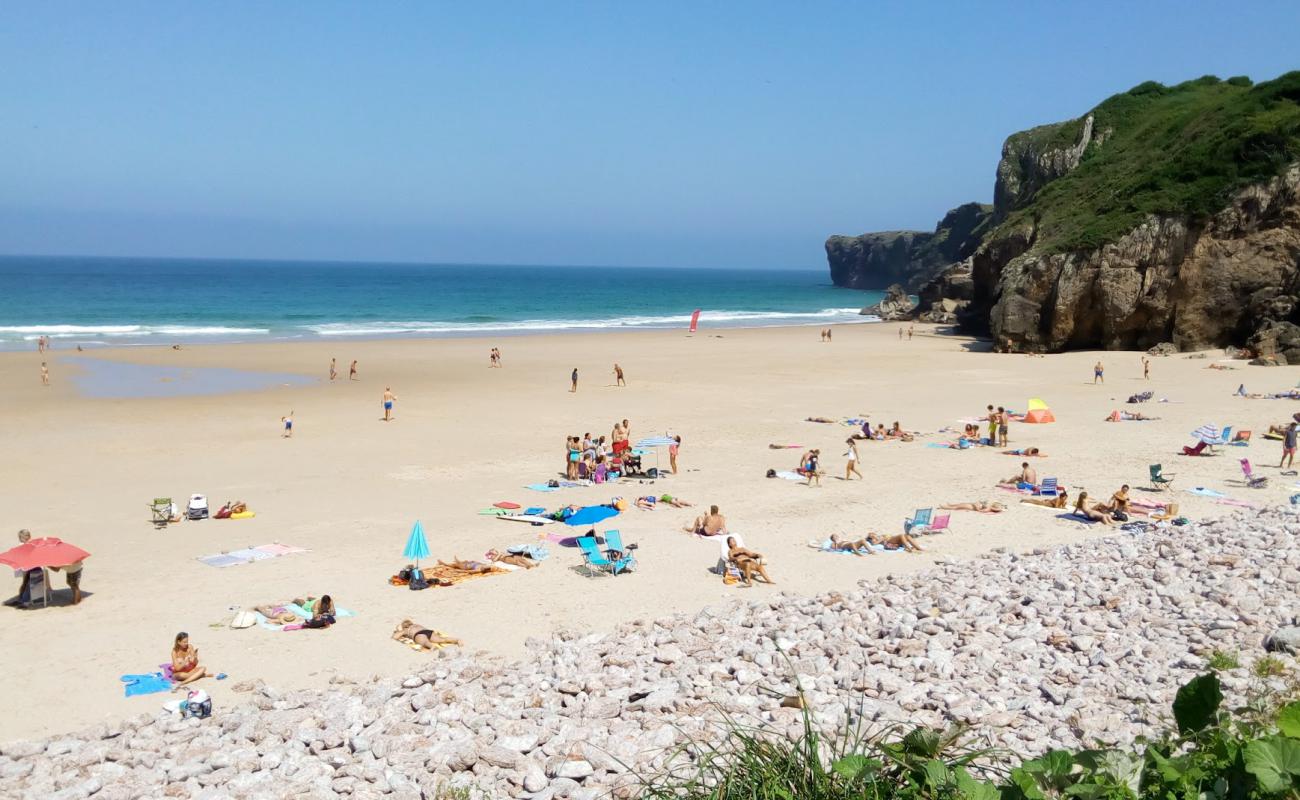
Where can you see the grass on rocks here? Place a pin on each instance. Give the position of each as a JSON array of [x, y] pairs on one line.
[[1166, 150], [1208, 752]]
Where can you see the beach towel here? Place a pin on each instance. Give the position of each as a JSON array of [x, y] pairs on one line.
[[590, 515], [825, 546], [790, 476], [784, 446], [150, 683], [221, 560], [939, 445], [1073, 517], [506, 505], [1204, 492], [277, 549], [1228, 501], [542, 487], [563, 540], [536, 552], [409, 642], [493, 512]]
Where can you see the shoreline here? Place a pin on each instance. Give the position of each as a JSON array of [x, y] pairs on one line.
[[348, 489]]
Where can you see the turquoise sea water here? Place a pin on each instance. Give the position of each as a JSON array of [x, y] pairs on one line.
[[117, 301]]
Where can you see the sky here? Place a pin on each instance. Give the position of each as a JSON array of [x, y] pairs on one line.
[[650, 134]]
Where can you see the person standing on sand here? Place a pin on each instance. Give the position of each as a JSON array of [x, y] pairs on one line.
[[1146, 369], [389, 398], [672, 453], [288, 426], [1004, 426], [334, 370], [618, 375], [909, 333], [900, 333], [352, 370], [851, 468], [45, 374], [40, 344], [574, 379], [1288, 447], [1098, 373]]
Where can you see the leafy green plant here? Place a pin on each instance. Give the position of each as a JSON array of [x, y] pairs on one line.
[[1221, 661]]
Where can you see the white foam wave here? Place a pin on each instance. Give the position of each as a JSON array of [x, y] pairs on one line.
[[33, 332], [731, 318]]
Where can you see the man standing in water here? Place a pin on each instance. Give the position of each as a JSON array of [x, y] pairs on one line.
[[618, 376], [574, 379], [389, 397]]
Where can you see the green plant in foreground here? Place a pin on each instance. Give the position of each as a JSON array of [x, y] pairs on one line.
[[1210, 754], [1219, 661]]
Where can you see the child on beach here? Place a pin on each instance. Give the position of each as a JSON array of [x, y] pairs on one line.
[[288, 426], [618, 376], [851, 467]]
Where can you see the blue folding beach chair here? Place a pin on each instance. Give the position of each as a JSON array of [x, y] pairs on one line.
[[596, 561], [1048, 488], [614, 543], [1225, 438], [919, 522]]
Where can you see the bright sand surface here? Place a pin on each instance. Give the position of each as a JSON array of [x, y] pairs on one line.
[[348, 486]]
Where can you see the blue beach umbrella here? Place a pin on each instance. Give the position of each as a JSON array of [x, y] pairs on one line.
[[417, 547], [656, 442]]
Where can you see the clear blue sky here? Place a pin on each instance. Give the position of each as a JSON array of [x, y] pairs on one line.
[[664, 133]]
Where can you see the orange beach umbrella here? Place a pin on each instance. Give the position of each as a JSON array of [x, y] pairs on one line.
[[46, 552]]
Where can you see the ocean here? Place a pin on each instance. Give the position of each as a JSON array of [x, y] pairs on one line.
[[97, 302]]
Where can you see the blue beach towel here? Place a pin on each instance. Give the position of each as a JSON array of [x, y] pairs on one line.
[[150, 683], [825, 547], [541, 487]]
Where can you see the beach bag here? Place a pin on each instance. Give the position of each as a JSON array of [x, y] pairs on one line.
[[771, 473], [418, 581], [653, 472], [199, 704], [1120, 516]]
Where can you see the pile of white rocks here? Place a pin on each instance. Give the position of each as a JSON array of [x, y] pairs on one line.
[[1082, 644]]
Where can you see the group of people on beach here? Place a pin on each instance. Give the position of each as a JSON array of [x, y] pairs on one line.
[[494, 358], [334, 370]]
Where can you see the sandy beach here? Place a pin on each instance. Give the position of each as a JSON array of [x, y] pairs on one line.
[[348, 486]]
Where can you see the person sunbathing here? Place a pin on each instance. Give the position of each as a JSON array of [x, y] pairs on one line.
[[1055, 502], [185, 662], [747, 561], [515, 559], [1129, 416], [819, 419], [475, 567], [675, 502], [982, 506], [422, 635], [711, 524], [648, 502], [898, 541], [1028, 452], [274, 612], [858, 547], [1027, 475], [1092, 511]]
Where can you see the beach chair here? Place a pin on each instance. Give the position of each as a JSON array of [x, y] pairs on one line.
[[1158, 479], [939, 524], [595, 561], [919, 522], [161, 509], [1048, 488], [1252, 480], [1194, 451], [614, 543]]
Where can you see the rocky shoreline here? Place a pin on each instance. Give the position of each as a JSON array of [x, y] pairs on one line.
[[1068, 646]]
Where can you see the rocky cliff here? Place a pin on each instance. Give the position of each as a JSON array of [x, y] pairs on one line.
[[910, 258], [1165, 214]]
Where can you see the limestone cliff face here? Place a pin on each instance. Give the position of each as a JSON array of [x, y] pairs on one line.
[[909, 258], [1031, 159], [1169, 279]]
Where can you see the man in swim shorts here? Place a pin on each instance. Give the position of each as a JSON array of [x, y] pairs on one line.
[[389, 398], [288, 426]]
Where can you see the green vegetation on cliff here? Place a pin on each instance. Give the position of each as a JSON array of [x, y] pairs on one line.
[[1158, 149]]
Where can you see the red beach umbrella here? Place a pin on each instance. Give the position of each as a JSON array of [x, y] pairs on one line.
[[46, 552]]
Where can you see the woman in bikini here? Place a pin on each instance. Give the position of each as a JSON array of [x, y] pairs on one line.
[[982, 506], [185, 662], [899, 541], [747, 561], [426, 638], [1056, 502], [1091, 511]]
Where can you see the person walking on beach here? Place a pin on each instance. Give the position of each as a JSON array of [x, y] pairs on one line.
[[1288, 447], [45, 374], [389, 398], [1004, 426], [1098, 373], [851, 468], [909, 333], [288, 426], [1146, 368], [574, 379], [618, 375], [672, 453], [334, 369], [352, 370], [900, 333], [40, 343]]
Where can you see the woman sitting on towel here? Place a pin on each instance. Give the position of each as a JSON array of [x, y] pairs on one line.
[[185, 662], [982, 506], [1092, 511], [423, 636], [322, 613], [747, 561], [1056, 502]]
